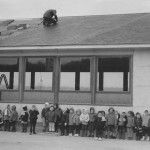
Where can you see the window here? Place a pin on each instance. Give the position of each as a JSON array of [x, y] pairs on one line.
[[9, 75], [75, 74], [113, 74], [39, 73]]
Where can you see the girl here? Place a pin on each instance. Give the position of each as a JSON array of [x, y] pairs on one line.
[[92, 116], [51, 119], [122, 122], [71, 126], [33, 118], [24, 119], [64, 129], [111, 122], [1, 120], [138, 126], [84, 118], [100, 122], [130, 125], [13, 118], [145, 120], [76, 122]]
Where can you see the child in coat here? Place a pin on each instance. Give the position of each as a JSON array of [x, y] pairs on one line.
[[71, 126], [1, 120], [77, 123], [122, 122], [84, 118], [145, 128], [130, 125], [24, 119], [33, 118], [92, 117], [6, 118], [64, 128], [51, 119], [138, 126], [13, 118], [100, 123], [111, 122]]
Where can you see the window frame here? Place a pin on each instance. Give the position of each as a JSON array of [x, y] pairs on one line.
[[53, 79], [13, 90], [74, 91], [130, 70]]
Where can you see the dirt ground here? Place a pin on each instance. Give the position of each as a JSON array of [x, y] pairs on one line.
[[48, 141]]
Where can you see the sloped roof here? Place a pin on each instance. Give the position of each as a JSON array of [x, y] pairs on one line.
[[82, 30]]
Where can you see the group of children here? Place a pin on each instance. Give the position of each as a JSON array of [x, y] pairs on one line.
[[80, 122]]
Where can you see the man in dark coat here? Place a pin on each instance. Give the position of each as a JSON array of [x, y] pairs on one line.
[[50, 17]]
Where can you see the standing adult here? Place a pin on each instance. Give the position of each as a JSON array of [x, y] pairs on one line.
[[33, 119]]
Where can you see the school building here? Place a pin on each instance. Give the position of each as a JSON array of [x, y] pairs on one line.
[[83, 61]]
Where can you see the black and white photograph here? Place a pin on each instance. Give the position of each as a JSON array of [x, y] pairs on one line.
[[74, 74]]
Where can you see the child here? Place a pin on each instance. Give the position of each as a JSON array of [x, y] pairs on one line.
[[84, 118], [71, 126], [111, 122], [77, 123], [1, 120], [6, 117], [138, 126], [44, 116], [64, 122], [91, 122], [24, 119], [145, 128], [13, 118], [51, 119], [130, 125], [116, 127], [33, 118], [99, 125], [122, 122]]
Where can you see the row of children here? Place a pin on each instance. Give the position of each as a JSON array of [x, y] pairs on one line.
[[100, 125], [9, 118], [69, 122]]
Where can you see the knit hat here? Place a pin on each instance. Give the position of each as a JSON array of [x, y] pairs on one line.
[[110, 109], [24, 108]]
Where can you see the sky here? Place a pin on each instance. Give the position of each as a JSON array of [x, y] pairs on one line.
[[15, 9]]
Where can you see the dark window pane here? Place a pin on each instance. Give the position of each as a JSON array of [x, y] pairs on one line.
[[39, 73], [113, 74], [75, 73], [9, 73]]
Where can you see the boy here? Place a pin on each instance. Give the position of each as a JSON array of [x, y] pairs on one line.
[[51, 119]]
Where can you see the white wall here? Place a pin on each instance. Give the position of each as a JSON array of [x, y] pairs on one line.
[[141, 80]]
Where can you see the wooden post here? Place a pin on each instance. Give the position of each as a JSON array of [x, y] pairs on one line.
[[11, 80], [77, 80], [32, 86], [93, 71], [125, 81], [101, 81]]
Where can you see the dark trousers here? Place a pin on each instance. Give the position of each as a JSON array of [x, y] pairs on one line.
[[99, 132], [71, 129], [24, 127], [84, 130], [32, 126], [13, 124], [138, 134], [77, 129], [57, 126], [64, 129], [121, 131], [91, 128], [49, 21], [6, 125], [146, 131]]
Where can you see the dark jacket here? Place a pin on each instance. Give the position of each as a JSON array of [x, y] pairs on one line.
[[58, 114], [33, 115], [99, 123], [44, 113], [138, 123], [65, 117], [51, 116], [24, 117], [122, 121]]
